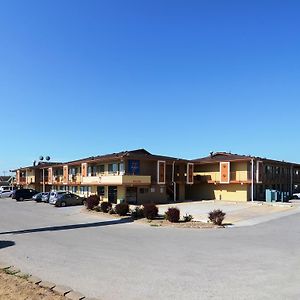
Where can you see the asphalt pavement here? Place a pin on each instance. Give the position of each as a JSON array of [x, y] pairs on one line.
[[113, 259]]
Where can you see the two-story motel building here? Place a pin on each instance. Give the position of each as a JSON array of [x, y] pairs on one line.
[[139, 177], [233, 177], [134, 176]]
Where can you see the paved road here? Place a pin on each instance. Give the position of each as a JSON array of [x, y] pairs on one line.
[[112, 260]]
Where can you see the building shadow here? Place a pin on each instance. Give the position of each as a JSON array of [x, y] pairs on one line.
[[5, 244], [69, 227]]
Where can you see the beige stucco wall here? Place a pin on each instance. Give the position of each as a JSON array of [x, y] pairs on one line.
[[227, 192], [231, 192], [238, 171]]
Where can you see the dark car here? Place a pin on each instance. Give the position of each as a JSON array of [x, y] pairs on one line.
[[67, 199], [23, 194]]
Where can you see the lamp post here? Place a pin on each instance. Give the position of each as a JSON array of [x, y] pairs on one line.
[[41, 158]]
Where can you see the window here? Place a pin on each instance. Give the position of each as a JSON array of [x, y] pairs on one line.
[[121, 168], [144, 190], [100, 169], [100, 191], [113, 168], [133, 167]]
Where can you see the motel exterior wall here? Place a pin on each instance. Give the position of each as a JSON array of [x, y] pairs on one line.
[[226, 176], [140, 177], [134, 176]]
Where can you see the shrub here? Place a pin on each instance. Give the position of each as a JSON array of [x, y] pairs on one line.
[[173, 214], [150, 211], [122, 209], [137, 213], [92, 201], [188, 218], [216, 216], [105, 206]]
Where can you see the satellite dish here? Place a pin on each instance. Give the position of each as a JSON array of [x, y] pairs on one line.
[[41, 158], [47, 157]]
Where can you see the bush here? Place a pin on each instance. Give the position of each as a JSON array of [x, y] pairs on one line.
[[150, 211], [216, 216], [122, 209], [137, 213], [188, 218], [92, 201], [173, 214], [105, 206]]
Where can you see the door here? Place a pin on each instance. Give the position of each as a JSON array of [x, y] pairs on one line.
[[131, 195], [112, 194]]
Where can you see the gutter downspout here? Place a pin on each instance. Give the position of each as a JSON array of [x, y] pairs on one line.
[[292, 185], [252, 180], [173, 181]]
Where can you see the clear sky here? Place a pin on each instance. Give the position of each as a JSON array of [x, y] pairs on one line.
[[179, 78]]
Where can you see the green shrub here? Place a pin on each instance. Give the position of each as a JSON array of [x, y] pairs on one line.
[[173, 214], [122, 209], [105, 206], [92, 201], [188, 218], [137, 213], [217, 216], [150, 211]]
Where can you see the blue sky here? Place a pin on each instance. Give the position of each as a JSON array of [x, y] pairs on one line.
[[180, 78]]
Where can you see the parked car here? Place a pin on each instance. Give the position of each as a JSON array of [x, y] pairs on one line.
[[45, 197], [5, 188], [54, 196], [296, 196], [66, 199], [38, 197], [22, 194], [5, 193]]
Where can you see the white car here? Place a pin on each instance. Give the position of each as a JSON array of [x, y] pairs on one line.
[[54, 196], [296, 196], [5, 193]]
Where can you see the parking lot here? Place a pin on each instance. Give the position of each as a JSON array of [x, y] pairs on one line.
[[110, 259]]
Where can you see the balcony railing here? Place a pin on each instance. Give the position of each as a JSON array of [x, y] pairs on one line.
[[115, 179], [45, 179], [236, 176], [57, 179]]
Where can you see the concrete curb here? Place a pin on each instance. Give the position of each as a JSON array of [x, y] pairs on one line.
[[13, 270], [34, 279], [4, 266], [74, 296], [47, 285], [61, 290]]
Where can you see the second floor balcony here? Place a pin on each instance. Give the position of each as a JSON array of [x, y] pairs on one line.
[[117, 178]]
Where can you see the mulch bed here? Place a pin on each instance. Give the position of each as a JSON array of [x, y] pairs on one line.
[[159, 222]]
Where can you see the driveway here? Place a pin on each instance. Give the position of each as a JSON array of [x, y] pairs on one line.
[[112, 260]]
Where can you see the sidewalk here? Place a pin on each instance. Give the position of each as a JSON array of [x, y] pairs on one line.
[[237, 214]]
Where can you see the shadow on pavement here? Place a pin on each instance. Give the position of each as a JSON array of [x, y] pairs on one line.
[[68, 227], [5, 244]]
